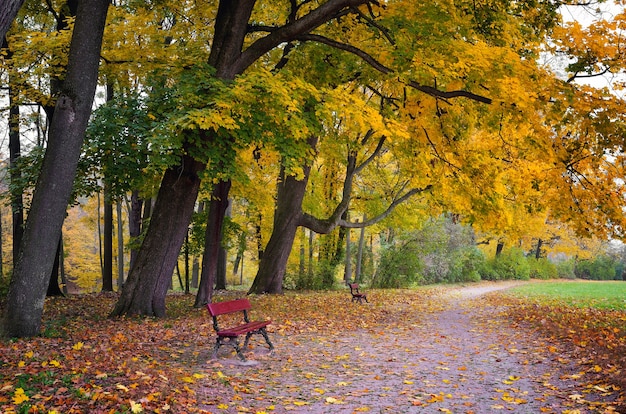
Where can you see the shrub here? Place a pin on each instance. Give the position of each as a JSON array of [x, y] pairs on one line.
[[511, 264], [565, 269], [600, 268], [542, 269], [398, 267]]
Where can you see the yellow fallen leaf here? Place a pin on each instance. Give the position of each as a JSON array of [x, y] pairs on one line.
[[121, 387], [300, 403], [135, 407], [78, 346], [333, 400], [19, 396]]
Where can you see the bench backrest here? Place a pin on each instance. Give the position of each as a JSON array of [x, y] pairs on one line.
[[354, 287], [222, 308]]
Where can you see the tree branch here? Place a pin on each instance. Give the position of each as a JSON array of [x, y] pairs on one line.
[[369, 59]]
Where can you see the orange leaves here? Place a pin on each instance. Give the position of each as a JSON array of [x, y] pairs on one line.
[[421, 349]]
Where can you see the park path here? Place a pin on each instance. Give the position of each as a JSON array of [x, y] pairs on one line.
[[460, 357]]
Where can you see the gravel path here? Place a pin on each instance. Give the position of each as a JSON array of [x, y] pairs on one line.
[[461, 358]]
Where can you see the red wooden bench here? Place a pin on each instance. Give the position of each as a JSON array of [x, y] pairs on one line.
[[356, 295], [230, 336]]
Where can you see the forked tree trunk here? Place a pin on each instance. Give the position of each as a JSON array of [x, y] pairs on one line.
[[149, 279]]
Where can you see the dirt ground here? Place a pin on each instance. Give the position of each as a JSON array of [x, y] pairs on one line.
[[460, 358]]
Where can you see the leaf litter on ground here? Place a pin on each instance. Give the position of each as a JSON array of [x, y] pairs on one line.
[[433, 349]]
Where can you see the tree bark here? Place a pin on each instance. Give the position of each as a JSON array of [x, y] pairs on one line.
[[147, 283], [107, 253], [8, 11], [134, 224], [212, 242], [52, 193], [17, 203], [272, 267]]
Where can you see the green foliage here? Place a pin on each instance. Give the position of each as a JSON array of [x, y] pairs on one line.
[[542, 268], [442, 251], [599, 268], [322, 278], [398, 267], [121, 148], [509, 265], [565, 269]]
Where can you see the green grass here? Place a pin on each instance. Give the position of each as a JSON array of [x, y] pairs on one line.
[[597, 294]]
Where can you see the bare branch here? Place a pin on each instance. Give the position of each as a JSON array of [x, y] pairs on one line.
[[390, 208]]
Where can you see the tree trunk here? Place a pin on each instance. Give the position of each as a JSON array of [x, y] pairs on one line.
[[17, 204], [8, 11], [107, 269], [359, 255], [212, 242], [499, 248], [120, 241], [134, 224], [222, 258], [348, 269], [24, 306], [538, 251], [149, 279], [270, 275]]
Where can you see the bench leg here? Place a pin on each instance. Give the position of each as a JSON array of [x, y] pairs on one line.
[[263, 332], [218, 343], [234, 342], [267, 339]]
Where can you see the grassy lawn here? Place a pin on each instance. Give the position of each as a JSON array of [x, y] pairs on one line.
[[597, 294]]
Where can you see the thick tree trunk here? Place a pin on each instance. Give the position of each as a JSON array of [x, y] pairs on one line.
[[27, 290], [8, 11], [149, 279], [212, 242], [269, 278]]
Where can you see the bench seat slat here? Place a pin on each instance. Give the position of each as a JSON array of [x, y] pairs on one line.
[[243, 329]]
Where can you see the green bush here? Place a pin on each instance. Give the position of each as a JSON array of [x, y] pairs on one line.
[[542, 268], [509, 265], [565, 269], [600, 268], [322, 278], [398, 267]]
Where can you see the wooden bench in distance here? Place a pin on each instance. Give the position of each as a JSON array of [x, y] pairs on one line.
[[230, 336], [356, 295]]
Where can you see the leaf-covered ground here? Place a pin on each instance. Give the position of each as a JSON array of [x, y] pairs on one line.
[[440, 349]]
